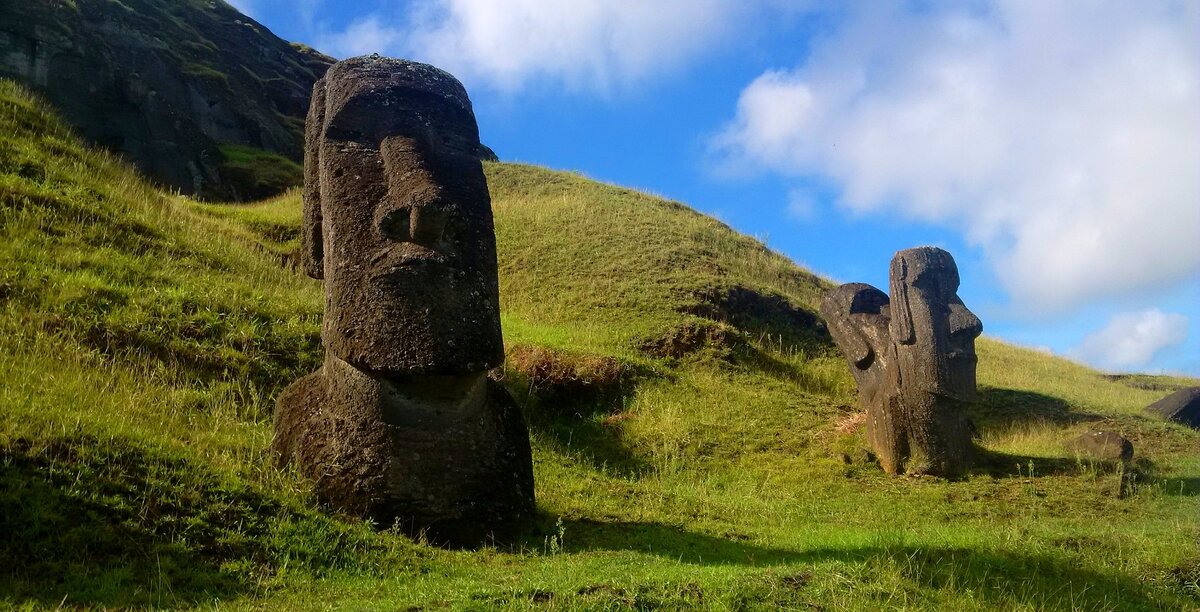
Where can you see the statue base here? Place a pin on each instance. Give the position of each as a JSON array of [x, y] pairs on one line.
[[446, 458]]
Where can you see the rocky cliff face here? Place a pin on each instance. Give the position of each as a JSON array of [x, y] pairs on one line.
[[165, 83]]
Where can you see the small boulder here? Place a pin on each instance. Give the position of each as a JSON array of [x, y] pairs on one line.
[[1182, 406], [1102, 446]]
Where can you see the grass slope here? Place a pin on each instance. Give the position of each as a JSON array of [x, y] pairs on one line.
[[693, 433]]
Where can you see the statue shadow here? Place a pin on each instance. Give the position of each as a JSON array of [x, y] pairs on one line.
[[592, 440], [582, 426], [999, 464], [1123, 478], [1144, 472], [998, 409], [86, 528], [1056, 582], [1181, 487]]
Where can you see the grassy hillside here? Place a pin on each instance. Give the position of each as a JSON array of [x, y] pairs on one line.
[[694, 437]]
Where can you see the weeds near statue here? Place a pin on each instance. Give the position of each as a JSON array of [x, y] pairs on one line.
[[401, 424], [913, 357]]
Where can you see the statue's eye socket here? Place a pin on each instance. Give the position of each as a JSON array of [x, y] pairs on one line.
[[344, 132]]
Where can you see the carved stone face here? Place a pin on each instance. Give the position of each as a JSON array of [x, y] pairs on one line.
[[932, 328], [398, 220]]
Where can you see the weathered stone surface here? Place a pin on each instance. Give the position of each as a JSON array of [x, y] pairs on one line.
[[407, 247], [164, 82], [1102, 446], [401, 424], [913, 358], [1182, 406], [443, 456]]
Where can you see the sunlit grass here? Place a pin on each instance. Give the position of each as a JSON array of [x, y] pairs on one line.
[[144, 337]]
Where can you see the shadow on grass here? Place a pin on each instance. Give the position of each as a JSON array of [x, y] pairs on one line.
[[671, 542], [591, 440], [109, 522], [1003, 409], [1000, 464], [82, 530], [581, 421], [998, 577], [1186, 487], [1128, 477]]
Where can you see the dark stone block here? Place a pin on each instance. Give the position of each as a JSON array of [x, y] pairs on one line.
[[1182, 406]]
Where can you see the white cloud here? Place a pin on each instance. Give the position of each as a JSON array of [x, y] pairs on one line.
[[245, 7], [1061, 137], [802, 205], [362, 37], [1132, 339], [589, 45]]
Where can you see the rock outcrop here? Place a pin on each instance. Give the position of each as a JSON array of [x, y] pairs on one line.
[[1182, 406], [402, 424], [166, 83], [913, 357]]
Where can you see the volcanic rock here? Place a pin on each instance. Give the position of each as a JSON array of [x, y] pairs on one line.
[[1182, 406]]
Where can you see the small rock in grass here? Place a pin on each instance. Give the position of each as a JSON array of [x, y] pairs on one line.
[[1102, 445]]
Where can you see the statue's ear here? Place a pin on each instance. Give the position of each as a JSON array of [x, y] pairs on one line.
[[312, 238], [902, 322], [837, 308]]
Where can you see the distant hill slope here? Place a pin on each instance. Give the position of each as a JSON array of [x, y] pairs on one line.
[[695, 444], [167, 83]]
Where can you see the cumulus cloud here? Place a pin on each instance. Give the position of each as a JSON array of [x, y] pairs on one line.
[[1132, 339], [1060, 137], [589, 45], [245, 7], [801, 205], [362, 37]]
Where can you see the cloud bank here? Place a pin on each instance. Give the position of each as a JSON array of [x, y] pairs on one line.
[[582, 45], [1063, 138], [1132, 339], [371, 34]]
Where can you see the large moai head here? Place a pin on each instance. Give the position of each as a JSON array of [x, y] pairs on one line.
[[913, 358], [932, 329], [398, 220]]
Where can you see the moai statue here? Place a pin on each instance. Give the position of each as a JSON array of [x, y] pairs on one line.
[[402, 424], [913, 358]]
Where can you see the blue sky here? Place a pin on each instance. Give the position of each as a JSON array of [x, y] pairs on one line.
[[1052, 147]]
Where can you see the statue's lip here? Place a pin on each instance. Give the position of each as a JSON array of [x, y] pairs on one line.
[[406, 256]]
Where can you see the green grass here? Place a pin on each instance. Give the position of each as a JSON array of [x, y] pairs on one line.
[[255, 174], [691, 424]]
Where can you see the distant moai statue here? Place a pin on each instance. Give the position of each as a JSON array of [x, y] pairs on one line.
[[913, 358], [402, 424]]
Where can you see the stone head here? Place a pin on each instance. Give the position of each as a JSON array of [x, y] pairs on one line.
[[857, 316], [932, 330], [398, 220]]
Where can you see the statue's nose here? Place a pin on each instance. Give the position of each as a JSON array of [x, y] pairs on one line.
[[415, 209], [421, 223], [964, 322], [428, 223]]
